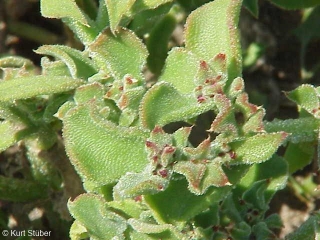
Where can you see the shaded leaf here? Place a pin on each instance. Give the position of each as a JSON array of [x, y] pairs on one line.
[[79, 65], [91, 212], [252, 6], [7, 133], [295, 4], [27, 87]]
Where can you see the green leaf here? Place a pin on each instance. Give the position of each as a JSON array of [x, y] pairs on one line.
[[299, 155], [171, 106], [7, 133], [212, 29], [177, 203], [258, 148], [148, 4], [122, 54], [157, 43], [295, 4], [116, 10], [306, 96], [27, 87], [92, 212], [101, 151], [309, 230], [300, 129], [252, 6], [79, 65], [18, 190], [62, 9], [180, 69]]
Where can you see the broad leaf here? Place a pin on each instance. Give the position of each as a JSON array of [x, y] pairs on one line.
[[122, 54], [212, 29], [170, 106], [27, 87], [62, 9], [92, 212], [177, 203], [101, 151], [180, 69], [258, 148]]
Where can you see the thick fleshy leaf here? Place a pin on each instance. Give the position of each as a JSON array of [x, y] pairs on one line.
[[306, 97], [79, 65], [295, 4], [122, 54], [258, 148], [62, 9], [116, 10], [148, 4], [92, 212], [177, 203], [27, 87], [101, 151], [212, 29], [300, 129], [180, 69], [202, 175], [170, 106], [135, 184]]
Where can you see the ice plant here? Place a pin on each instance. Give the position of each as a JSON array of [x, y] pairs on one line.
[[150, 167]]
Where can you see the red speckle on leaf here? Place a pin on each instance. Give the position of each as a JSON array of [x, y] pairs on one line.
[[129, 80], [150, 144], [157, 129], [204, 65], [123, 103], [160, 187], [241, 201], [232, 154], [108, 94], [221, 56], [169, 149], [163, 173], [138, 198], [198, 88], [155, 159], [201, 99]]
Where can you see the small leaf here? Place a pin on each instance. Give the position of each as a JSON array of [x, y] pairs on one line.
[[79, 65], [295, 4], [27, 87], [212, 29], [170, 106], [306, 96], [116, 10], [62, 9], [122, 54], [258, 148], [101, 151], [180, 69], [91, 212]]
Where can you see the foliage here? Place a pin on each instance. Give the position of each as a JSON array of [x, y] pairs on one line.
[[132, 143]]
